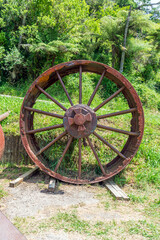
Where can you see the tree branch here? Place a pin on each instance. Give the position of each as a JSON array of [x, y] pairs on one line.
[[147, 5], [125, 39]]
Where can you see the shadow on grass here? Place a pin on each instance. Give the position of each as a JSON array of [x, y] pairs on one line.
[[12, 171]]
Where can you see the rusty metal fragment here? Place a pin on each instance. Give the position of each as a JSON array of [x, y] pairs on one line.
[[2, 139], [80, 121], [8, 231]]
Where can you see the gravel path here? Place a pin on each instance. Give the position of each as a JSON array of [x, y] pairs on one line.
[[31, 199]]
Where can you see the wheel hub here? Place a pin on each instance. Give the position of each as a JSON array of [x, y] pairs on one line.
[[80, 121]]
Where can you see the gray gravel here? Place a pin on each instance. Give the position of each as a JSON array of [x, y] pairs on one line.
[[28, 200], [31, 199]]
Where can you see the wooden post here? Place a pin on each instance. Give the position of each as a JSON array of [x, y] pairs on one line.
[[26, 175], [52, 185], [4, 115]]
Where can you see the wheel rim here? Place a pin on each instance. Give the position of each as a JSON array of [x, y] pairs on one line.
[[80, 121]]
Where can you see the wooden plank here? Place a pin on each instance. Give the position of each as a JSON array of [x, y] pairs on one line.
[[52, 185], [4, 115], [115, 190], [26, 175], [8, 231], [112, 190]]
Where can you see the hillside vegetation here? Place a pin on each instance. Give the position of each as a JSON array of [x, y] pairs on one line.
[[36, 35]]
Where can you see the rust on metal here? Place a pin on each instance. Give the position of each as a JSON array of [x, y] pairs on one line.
[[109, 145], [2, 139], [80, 121], [117, 113], [96, 156], [118, 130], [80, 85], [109, 99], [50, 97], [8, 231], [51, 143], [63, 154], [95, 90], [80, 158]]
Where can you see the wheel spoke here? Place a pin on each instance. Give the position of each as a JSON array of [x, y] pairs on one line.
[[95, 90], [66, 92], [44, 129], [63, 154], [118, 130], [109, 99], [117, 113], [96, 156], [80, 84], [51, 143], [109, 145], [80, 158], [43, 112], [50, 97]]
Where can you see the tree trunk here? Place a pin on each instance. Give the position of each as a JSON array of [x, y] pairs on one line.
[[125, 39], [53, 60], [23, 24]]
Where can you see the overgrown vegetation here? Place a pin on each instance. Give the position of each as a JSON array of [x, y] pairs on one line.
[[35, 35]]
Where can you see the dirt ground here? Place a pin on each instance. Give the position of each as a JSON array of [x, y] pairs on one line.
[[31, 200]]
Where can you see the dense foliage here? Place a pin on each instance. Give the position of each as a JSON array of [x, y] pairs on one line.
[[37, 34]]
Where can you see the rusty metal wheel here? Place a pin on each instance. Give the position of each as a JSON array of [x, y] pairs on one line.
[[82, 125]]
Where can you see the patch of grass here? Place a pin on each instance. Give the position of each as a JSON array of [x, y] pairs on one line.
[[107, 205], [153, 209], [25, 225], [145, 229], [3, 193], [70, 222], [18, 89], [137, 198], [121, 179], [12, 171]]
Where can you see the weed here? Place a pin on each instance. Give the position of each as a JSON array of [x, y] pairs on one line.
[[70, 222], [139, 199], [11, 170], [3, 193], [147, 230]]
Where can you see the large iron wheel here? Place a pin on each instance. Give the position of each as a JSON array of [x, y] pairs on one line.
[[81, 123]]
